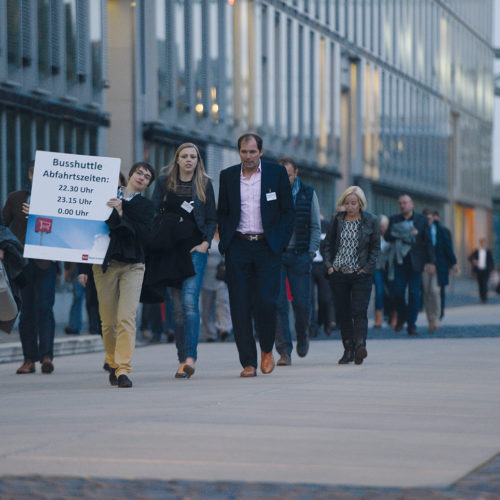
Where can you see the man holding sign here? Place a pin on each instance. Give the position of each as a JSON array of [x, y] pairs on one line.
[[36, 322], [119, 279]]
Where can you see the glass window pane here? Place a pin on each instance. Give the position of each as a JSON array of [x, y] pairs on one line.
[[96, 46], [70, 29]]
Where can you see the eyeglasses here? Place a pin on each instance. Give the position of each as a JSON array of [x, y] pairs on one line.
[[141, 173]]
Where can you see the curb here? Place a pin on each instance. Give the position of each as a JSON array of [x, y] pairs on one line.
[[12, 351]]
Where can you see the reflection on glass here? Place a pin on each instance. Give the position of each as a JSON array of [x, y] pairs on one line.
[[70, 27], [180, 56], [43, 38], [14, 33], [96, 45]]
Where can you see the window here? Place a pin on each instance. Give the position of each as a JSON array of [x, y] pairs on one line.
[[44, 38], [14, 34], [96, 47], [71, 40]]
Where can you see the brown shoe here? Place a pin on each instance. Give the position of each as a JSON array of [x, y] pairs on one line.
[[249, 371], [26, 367], [267, 362], [47, 366]]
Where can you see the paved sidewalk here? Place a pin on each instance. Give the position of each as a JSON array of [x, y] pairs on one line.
[[418, 414]]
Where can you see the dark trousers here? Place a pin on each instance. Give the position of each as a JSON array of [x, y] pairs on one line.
[[443, 300], [36, 322], [325, 310], [253, 274], [405, 276], [352, 295], [483, 275], [297, 268]]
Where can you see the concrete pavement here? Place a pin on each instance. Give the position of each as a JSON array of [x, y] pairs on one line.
[[418, 413]]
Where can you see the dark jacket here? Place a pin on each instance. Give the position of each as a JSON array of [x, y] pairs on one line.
[[14, 218], [368, 241], [171, 264], [205, 214], [302, 226], [277, 214], [14, 264], [445, 257], [128, 234], [422, 251], [490, 263]]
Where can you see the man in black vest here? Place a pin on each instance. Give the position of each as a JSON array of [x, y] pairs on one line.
[[296, 265]]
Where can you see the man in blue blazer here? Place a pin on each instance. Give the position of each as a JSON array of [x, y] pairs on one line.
[[255, 215]]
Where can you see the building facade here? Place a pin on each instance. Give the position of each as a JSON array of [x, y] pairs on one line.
[[394, 95], [51, 82]]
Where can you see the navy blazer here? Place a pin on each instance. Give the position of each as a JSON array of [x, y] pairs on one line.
[[277, 215]]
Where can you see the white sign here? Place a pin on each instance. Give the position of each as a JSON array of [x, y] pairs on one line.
[[68, 207]]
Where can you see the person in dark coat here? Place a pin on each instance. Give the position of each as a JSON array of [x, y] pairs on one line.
[[255, 215], [11, 255], [350, 253], [408, 273], [482, 265], [36, 321], [186, 192], [119, 279], [446, 260]]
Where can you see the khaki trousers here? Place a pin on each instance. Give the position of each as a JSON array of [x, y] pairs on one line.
[[432, 297], [118, 292]]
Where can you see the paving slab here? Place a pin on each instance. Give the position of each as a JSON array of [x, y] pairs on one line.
[[416, 414]]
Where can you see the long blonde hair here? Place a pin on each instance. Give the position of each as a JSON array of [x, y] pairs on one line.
[[200, 177]]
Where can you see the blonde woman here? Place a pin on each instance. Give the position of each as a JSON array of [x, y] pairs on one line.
[[185, 189], [350, 252]]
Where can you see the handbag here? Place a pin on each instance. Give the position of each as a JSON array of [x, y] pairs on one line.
[[8, 306]]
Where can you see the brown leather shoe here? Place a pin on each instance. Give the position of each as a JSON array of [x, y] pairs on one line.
[[267, 362], [26, 367], [249, 371], [47, 366]]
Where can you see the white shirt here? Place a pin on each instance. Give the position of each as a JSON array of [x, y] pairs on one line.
[[481, 258]]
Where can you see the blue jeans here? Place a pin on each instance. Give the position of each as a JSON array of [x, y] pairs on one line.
[[36, 322], [378, 281], [297, 267], [186, 308], [405, 276], [75, 313]]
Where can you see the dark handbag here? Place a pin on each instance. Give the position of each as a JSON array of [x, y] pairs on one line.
[[220, 273]]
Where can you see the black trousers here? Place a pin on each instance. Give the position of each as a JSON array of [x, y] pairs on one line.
[[253, 279], [325, 308], [352, 296], [483, 275]]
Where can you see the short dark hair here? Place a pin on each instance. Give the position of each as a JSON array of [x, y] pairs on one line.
[[404, 194], [142, 164], [284, 161], [249, 135], [426, 211], [123, 181], [435, 213]]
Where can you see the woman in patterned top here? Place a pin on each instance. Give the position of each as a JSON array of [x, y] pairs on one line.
[[350, 252], [187, 190]]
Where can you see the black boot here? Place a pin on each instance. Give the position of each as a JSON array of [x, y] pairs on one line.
[[348, 356], [360, 354]]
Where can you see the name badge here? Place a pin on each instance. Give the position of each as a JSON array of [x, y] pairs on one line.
[[187, 207], [271, 196]]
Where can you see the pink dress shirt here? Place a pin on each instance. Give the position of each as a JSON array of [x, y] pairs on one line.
[[250, 217]]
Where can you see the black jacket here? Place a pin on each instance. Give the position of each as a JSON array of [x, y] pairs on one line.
[[277, 211], [14, 264], [422, 251], [368, 241], [204, 212], [490, 263]]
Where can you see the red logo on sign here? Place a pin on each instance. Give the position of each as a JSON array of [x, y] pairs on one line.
[[85, 257], [43, 225]]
